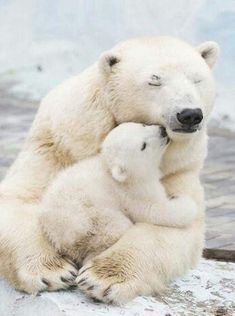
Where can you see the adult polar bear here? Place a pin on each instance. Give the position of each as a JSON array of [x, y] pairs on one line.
[[151, 80]]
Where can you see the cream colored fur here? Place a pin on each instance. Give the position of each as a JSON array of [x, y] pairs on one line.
[[90, 205], [70, 125]]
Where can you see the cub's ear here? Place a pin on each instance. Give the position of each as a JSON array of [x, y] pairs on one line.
[[210, 52], [119, 173], [108, 62]]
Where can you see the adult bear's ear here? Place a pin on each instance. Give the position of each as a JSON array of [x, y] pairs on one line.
[[108, 62], [119, 173], [209, 52]]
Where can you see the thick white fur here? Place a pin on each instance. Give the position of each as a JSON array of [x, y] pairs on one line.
[[70, 125], [89, 206]]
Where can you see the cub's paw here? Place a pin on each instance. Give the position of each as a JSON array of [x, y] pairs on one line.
[[46, 274], [186, 210], [108, 279]]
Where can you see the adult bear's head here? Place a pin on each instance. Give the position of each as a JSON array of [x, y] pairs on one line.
[[161, 80]]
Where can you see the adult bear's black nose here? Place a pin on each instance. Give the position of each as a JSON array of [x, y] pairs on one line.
[[190, 117]]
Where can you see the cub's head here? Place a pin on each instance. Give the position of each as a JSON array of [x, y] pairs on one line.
[[161, 80], [134, 151]]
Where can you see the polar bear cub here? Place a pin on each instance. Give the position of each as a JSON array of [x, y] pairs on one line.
[[91, 204]]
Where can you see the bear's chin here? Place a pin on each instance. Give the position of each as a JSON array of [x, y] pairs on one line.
[[185, 131], [182, 134]]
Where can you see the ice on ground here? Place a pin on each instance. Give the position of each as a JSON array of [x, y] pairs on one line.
[[208, 290]]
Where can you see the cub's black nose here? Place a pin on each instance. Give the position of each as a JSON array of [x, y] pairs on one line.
[[190, 117]]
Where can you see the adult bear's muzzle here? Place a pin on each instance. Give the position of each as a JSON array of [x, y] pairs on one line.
[[188, 120]]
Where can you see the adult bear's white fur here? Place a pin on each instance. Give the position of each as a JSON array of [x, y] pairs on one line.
[[70, 125], [90, 205]]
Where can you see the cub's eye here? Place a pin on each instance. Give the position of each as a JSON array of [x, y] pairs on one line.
[[144, 145], [155, 81]]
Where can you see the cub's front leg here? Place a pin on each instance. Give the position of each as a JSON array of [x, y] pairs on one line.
[[178, 211], [187, 202]]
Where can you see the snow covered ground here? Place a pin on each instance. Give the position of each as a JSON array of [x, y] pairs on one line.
[[208, 290], [43, 42]]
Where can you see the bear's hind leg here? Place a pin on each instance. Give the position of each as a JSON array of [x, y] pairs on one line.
[[27, 260]]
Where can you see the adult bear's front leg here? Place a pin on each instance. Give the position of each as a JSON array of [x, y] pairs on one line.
[[142, 262], [147, 257], [27, 261]]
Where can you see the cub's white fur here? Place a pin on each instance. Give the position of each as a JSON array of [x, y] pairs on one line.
[[86, 209], [70, 125]]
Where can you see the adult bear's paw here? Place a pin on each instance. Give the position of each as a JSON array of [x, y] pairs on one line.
[[110, 279], [46, 273]]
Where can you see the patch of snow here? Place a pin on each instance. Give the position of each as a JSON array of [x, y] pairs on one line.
[[202, 292]]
